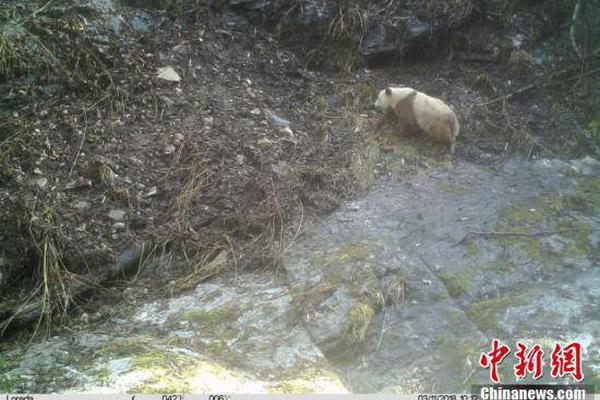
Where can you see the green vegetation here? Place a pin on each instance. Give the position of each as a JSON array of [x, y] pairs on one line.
[[292, 386], [501, 265], [352, 252], [358, 323], [456, 284], [551, 213], [216, 320], [471, 247], [487, 314]]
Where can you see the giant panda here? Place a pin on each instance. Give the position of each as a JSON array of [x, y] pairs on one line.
[[416, 111]]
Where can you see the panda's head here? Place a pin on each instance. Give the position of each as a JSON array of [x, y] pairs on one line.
[[390, 96]]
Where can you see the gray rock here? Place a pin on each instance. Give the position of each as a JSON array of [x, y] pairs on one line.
[[82, 205], [276, 120], [40, 183], [116, 214]]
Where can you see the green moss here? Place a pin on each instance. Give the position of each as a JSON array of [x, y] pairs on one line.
[[352, 252], [589, 192], [358, 322], [456, 350], [456, 284], [305, 296], [6, 364], [103, 376], [487, 313], [472, 249], [161, 385], [294, 386], [579, 232], [125, 348], [538, 210], [501, 265], [172, 372], [161, 359], [215, 320], [8, 385], [547, 213]]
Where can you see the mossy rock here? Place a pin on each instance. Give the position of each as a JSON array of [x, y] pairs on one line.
[[358, 323], [486, 314], [541, 217], [293, 386], [212, 319], [351, 252], [456, 284]]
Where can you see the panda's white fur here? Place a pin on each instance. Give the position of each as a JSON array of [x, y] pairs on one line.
[[415, 109]]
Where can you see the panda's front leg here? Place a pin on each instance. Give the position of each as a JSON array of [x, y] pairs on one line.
[[387, 117]]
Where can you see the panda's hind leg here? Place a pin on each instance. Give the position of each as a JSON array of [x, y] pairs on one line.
[[442, 133]]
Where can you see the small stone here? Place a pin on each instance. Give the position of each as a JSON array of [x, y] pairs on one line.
[[264, 141], [240, 159], [153, 191], [170, 149], [168, 74], [38, 171], [40, 183], [427, 281], [276, 120], [167, 100], [78, 183], [82, 205], [119, 226], [286, 131], [353, 207], [208, 121], [179, 137], [116, 214]]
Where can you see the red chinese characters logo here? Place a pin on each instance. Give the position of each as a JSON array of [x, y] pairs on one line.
[[529, 361], [494, 358], [564, 360], [567, 360]]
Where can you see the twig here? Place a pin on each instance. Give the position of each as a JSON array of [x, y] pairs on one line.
[[572, 29], [39, 10], [530, 234], [536, 84], [382, 330]]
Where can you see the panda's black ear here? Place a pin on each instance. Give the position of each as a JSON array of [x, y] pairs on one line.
[[388, 91]]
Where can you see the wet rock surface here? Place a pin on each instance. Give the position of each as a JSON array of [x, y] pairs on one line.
[[236, 334], [400, 291], [477, 253]]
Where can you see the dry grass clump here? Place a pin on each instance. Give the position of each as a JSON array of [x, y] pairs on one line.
[[53, 284]]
